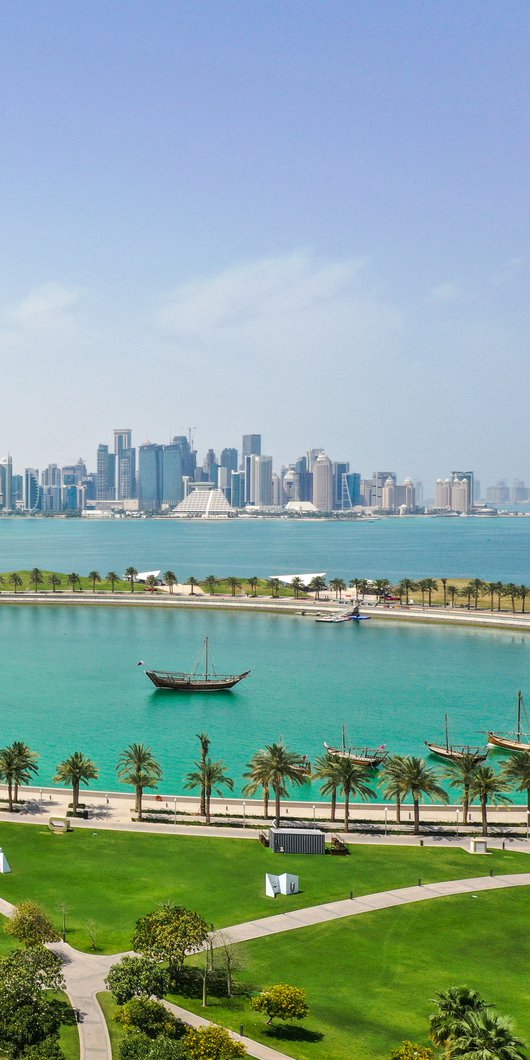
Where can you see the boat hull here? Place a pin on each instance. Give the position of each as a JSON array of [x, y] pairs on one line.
[[454, 754], [373, 759], [506, 744], [178, 682]]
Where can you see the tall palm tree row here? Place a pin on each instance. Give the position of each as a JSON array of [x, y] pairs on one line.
[[279, 769], [210, 777], [138, 767]]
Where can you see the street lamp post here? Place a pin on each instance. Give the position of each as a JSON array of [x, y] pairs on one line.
[[314, 814]]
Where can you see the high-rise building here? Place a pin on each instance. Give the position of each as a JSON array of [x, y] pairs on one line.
[[31, 491], [106, 467], [188, 455], [323, 483], [228, 459], [122, 440], [350, 492], [261, 480], [6, 484], [237, 489], [469, 477], [460, 494], [150, 476], [443, 493], [339, 469], [251, 447], [172, 485], [126, 474]]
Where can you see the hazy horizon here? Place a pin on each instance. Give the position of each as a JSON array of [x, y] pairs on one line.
[[302, 220]]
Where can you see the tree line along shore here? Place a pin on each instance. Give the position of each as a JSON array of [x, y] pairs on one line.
[[469, 593], [275, 771]]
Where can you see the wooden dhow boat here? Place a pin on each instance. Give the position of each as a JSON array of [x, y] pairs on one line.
[[455, 752], [512, 741], [360, 756], [207, 681]]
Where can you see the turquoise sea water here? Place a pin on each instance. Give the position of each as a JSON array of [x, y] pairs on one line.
[[70, 681], [492, 549]]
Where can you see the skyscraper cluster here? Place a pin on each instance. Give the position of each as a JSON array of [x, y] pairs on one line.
[[158, 477]]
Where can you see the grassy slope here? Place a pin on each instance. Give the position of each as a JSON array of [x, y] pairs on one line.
[[115, 877], [370, 979], [116, 1030]]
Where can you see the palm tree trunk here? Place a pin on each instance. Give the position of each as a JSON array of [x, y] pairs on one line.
[[276, 807], [416, 817], [207, 797], [10, 794], [266, 802], [75, 796], [398, 809], [138, 806], [483, 804], [333, 803], [346, 810], [465, 803]]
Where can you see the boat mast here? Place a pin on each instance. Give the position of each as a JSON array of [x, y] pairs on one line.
[[343, 737], [519, 699], [206, 660], [446, 734]]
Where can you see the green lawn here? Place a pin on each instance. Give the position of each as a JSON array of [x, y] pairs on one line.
[[116, 1030], [369, 979], [112, 878]]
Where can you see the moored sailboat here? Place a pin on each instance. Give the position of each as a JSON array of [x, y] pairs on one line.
[[208, 681], [455, 752], [361, 756], [512, 741]]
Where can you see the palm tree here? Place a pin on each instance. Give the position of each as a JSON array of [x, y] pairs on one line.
[[467, 592], [453, 591], [234, 584], [444, 587], [209, 776], [404, 588], [275, 587], [417, 779], [461, 774], [338, 586], [453, 1006], [281, 768], [211, 582], [360, 586], [431, 585], [297, 586], [112, 577], [488, 786], [205, 741], [76, 770], [1, 579], [422, 586], [138, 766], [74, 580], [27, 765], [15, 768], [316, 586], [512, 591], [170, 579], [391, 778], [192, 582], [352, 781], [523, 591], [517, 771], [253, 582], [36, 578], [477, 587], [15, 580], [94, 577], [258, 779], [498, 589], [55, 581], [131, 575], [150, 581], [382, 587], [485, 1036], [327, 769]]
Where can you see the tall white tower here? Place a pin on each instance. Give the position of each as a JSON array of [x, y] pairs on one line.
[[323, 483]]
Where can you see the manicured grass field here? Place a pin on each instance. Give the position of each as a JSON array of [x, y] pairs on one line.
[[369, 980], [112, 878]]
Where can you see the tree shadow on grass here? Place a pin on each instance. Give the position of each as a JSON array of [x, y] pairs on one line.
[[288, 1032]]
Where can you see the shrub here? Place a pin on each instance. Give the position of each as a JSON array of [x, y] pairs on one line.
[[281, 1002]]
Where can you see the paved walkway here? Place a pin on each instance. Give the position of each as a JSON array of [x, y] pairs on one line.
[[85, 973]]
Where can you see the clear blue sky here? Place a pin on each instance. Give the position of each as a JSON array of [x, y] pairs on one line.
[[308, 219]]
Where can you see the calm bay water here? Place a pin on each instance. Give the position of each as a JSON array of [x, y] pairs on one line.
[[70, 681], [492, 549]]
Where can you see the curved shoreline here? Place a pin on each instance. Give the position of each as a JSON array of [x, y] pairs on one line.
[[268, 605]]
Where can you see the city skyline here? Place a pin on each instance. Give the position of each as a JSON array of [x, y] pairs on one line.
[[214, 208]]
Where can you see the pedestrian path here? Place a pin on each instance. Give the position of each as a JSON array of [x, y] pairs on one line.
[[85, 973]]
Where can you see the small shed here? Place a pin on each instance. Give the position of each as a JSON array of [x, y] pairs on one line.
[[297, 841]]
